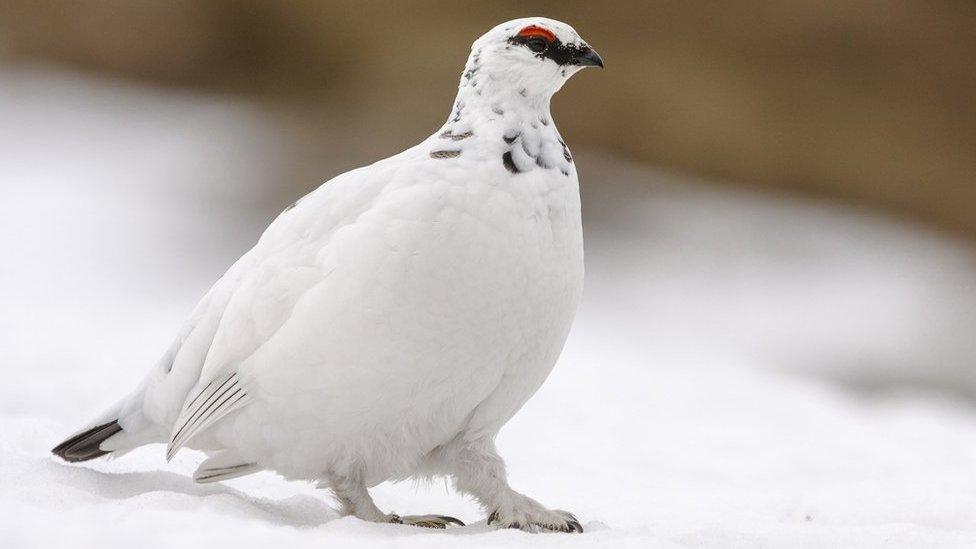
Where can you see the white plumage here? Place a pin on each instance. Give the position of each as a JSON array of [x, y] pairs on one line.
[[390, 322]]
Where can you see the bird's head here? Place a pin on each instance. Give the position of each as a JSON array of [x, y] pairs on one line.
[[533, 57]]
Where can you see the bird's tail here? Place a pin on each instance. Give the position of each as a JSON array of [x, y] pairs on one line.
[[87, 444], [127, 425], [107, 435]]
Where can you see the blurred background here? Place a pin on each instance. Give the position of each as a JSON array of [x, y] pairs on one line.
[[779, 204], [860, 101]]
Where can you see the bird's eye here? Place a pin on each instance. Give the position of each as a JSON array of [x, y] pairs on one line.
[[537, 44]]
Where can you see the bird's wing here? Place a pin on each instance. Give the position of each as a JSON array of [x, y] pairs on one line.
[[258, 295]]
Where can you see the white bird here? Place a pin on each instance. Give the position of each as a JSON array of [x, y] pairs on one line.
[[389, 323]]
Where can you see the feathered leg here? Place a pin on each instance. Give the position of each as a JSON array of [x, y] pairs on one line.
[[479, 471]]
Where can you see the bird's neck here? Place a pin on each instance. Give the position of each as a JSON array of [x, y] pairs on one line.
[[497, 104], [508, 117], [486, 95]]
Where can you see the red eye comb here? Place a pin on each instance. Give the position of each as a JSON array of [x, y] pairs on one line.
[[535, 30]]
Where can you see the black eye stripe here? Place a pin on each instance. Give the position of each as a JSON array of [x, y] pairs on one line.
[[562, 54], [537, 44]]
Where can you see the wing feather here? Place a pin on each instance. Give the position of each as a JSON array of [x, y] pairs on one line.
[[223, 465], [215, 400]]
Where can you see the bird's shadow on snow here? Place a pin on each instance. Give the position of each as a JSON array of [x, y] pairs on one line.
[[301, 511], [297, 510]]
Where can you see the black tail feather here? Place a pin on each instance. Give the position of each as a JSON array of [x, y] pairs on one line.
[[84, 446]]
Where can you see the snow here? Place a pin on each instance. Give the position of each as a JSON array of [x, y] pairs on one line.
[[746, 371]]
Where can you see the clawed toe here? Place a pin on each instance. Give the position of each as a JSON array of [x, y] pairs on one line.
[[572, 525], [430, 521], [568, 524]]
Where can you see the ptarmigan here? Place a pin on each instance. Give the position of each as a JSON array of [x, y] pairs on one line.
[[390, 322]]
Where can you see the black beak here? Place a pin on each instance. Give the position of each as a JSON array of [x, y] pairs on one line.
[[588, 57]]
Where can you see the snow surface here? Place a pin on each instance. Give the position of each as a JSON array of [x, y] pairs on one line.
[[747, 371]]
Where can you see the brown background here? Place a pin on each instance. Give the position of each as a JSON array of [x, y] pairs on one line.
[[867, 102]]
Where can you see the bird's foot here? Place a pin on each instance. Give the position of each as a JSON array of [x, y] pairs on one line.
[[534, 517], [426, 521]]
